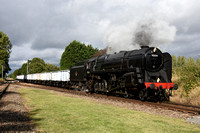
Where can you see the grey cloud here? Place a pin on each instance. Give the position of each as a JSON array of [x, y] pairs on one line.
[[42, 27], [185, 45], [17, 20]]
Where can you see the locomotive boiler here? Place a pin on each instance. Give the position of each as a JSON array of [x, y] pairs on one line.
[[144, 73]]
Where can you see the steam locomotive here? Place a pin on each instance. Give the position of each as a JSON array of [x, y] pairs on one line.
[[144, 73]]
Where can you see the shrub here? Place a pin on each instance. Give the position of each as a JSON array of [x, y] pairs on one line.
[[189, 72]]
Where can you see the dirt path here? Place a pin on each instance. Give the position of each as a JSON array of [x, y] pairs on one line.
[[13, 115]]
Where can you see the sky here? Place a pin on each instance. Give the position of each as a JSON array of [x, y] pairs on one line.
[[43, 28]]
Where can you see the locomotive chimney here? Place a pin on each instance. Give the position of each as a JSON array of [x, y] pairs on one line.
[[144, 46]]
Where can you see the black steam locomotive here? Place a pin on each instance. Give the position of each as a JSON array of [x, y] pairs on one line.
[[145, 73]]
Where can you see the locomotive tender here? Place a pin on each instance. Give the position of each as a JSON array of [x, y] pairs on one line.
[[145, 73]]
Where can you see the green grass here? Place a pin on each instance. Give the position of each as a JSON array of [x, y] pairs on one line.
[[56, 113]]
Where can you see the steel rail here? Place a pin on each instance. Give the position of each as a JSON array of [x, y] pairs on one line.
[[2, 92]]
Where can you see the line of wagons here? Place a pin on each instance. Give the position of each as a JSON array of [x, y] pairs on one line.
[[57, 78]]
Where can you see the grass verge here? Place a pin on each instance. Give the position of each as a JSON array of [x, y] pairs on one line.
[[56, 113]]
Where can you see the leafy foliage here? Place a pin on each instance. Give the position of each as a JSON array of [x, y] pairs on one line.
[[51, 68], [74, 53], [188, 71], [5, 50], [36, 65]]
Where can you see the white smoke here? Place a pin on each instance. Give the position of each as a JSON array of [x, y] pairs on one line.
[[119, 37], [146, 32]]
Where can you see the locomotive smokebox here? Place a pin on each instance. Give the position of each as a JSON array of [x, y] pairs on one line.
[[144, 47]]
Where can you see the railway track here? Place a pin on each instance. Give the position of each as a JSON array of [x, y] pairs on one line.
[[4, 87], [164, 105]]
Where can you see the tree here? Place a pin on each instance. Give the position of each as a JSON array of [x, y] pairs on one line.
[[191, 61], [76, 52], [15, 73], [36, 65], [49, 67], [181, 61], [3, 66], [174, 61], [198, 62], [5, 50]]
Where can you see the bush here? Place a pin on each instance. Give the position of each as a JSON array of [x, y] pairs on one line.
[[189, 72]]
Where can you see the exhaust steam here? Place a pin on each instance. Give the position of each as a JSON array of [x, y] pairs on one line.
[[133, 35]]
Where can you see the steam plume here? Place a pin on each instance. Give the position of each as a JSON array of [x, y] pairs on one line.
[[143, 36], [153, 32], [133, 35]]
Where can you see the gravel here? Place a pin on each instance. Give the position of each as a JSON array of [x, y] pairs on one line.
[[194, 120], [14, 117]]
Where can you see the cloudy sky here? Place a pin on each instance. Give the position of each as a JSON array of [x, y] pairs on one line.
[[43, 28]]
